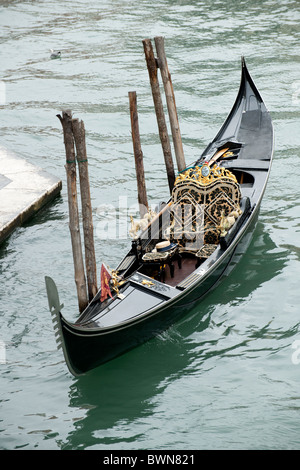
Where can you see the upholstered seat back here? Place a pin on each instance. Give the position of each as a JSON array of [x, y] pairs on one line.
[[199, 200]]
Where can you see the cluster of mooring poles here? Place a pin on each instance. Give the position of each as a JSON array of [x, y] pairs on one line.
[[74, 136], [153, 64]]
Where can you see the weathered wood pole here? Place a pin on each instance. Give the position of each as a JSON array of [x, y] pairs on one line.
[[80, 281], [86, 207], [159, 111], [138, 154], [170, 98]]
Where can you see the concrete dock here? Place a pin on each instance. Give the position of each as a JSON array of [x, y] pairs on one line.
[[24, 189]]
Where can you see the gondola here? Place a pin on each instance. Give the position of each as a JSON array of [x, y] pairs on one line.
[[191, 243]]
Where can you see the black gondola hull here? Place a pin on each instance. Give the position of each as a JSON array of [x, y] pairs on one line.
[[107, 330], [86, 349]]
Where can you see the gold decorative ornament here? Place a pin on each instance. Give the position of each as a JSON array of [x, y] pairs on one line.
[[147, 283], [116, 282], [142, 224], [226, 222], [204, 175]]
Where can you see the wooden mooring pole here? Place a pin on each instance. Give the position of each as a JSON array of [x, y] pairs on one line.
[[80, 280], [159, 110], [171, 105], [86, 207], [138, 154]]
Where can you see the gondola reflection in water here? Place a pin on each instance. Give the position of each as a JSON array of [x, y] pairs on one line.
[[187, 247]]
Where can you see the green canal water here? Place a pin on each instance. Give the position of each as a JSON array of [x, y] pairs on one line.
[[227, 376]]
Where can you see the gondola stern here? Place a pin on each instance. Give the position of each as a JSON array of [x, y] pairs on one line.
[[55, 308]]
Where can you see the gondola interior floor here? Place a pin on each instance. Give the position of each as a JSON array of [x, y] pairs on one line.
[[188, 265]]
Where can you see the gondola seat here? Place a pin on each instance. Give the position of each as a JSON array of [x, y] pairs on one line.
[[200, 201], [156, 261]]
